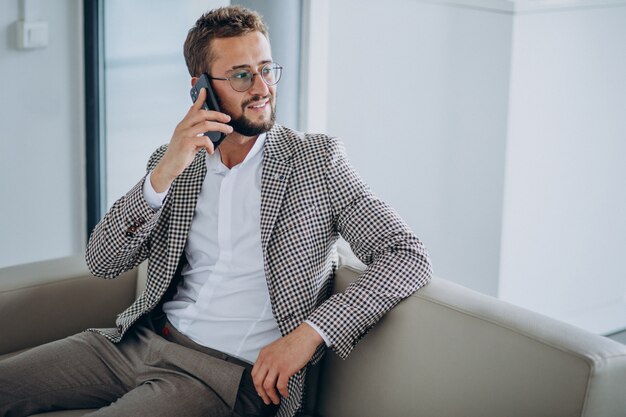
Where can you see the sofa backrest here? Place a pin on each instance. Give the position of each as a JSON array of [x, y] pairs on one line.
[[37, 313], [448, 351]]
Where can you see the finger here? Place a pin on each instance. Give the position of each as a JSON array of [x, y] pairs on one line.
[[207, 126], [258, 379], [269, 385], [202, 115], [214, 115], [210, 148], [197, 105], [283, 381], [203, 142]]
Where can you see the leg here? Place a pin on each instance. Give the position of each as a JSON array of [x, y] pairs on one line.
[[66, 374], [174, 379], [185, 396], [173, 395], [249, 403]]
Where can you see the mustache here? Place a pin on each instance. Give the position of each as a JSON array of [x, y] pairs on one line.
[[254, 99]]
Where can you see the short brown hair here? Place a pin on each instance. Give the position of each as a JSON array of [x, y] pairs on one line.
[[223, 22]]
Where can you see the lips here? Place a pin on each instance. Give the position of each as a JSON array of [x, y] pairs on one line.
[[259, 105]]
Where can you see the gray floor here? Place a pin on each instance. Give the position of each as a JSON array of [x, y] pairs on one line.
[[620, 337]]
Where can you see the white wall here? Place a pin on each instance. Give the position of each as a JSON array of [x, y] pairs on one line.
[[42, 201], [419, 94], [564, 228], [503, 146]]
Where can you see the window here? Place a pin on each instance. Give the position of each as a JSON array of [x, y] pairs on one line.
[[146, 83]]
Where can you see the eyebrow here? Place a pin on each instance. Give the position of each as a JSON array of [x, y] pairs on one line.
[[236, 67]]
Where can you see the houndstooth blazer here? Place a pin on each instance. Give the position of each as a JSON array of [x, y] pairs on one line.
[[310, 195]]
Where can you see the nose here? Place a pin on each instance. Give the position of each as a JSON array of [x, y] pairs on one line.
[[259, 88]]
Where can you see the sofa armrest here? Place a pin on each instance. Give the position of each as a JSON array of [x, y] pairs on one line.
[[34, 313], [449, 351]]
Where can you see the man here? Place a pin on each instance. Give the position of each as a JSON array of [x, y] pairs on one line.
[[240, 242]]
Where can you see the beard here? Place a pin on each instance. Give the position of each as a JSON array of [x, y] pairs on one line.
[[246, 127]]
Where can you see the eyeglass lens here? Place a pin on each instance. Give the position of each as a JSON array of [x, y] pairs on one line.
[[243, 81]]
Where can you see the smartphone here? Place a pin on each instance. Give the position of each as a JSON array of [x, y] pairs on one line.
[[209, 104]]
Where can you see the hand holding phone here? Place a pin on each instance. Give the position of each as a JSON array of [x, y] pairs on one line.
[[187, 140], [209, 104]]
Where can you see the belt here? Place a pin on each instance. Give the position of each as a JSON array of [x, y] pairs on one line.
[[163, 327]]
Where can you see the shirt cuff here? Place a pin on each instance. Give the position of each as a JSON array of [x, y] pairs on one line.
[[154, 199], [321, 333]]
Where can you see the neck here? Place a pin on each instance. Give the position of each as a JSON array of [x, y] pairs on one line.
[[235, 147]]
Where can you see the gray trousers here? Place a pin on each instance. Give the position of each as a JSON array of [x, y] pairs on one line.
[[149, 373]]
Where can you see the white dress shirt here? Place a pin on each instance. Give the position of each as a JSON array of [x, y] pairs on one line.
[[223, 301]]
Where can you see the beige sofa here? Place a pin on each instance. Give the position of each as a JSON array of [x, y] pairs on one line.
[[446, 351]]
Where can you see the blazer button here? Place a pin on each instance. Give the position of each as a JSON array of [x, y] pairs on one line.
[[129, 234], [285, 318]]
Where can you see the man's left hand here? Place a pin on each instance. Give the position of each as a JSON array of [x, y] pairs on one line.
[[280, 360]]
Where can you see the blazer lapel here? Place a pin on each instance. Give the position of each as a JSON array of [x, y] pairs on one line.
[[274, 179]]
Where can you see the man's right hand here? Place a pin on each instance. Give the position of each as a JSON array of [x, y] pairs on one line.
[[186, 142]]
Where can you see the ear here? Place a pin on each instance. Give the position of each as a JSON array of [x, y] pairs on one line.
[[194, 80]]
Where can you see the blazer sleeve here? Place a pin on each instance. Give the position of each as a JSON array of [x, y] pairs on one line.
[[397, 263], [121, 240]]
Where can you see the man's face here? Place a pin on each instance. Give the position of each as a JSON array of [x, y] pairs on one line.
[[253, 111]]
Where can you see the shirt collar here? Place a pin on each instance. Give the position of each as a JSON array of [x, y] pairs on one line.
[[256, 148], [214, 162]]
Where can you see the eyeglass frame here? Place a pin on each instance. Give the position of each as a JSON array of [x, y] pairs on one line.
[[274, 65]]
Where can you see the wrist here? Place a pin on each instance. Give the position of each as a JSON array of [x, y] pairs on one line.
[[311, 335], [159, 180]]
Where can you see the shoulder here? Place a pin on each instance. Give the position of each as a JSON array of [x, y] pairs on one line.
[[304, 146]]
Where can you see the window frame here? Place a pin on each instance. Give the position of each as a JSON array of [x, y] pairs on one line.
[[95, 155]]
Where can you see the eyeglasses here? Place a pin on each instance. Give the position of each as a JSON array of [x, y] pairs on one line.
[[243, 79]]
